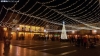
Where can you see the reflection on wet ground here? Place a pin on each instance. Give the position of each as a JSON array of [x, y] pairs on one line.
[[18, 51], [47, 48]]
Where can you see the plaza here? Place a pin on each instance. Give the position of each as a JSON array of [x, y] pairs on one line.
[[50, 28]]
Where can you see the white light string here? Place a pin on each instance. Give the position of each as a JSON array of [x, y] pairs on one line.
[[42, 23], [24, 5], [49, 2], [20, 19], [79, 9], [4, 16], [10, 17], [60, 4], [75, 7], [46, 13], [58, 19], [53, 16], [31, 21], [31, 7], [91, 18], [83, 8], [68, 6], [42, 12], [89, 13], [24, 20], [50, 15], [28, 21], [37, 10], [1, 10], [72, 18], [39, 22], [13, 11]]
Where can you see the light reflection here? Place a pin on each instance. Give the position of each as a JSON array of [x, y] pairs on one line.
[[18, 50], [24, 52]]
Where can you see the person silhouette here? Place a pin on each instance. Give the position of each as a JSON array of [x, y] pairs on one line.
[[6, 47]]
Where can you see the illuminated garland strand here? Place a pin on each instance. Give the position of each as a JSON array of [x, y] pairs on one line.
[[37, 10], [92, 16], [83, 12], [80, 22], [49, 2], [1, 10], [14, 5], [59, 4], [31, 8], [10, 17], [42, 23], [20, 18], [24, 5], [88, 13], [46, 14], [4, 16], [32, 16], [58, 17], [31, 21], [50, 15], [41, 12], [74, 19], [39, 22], [83, 7], [74, 8], [28, 21], [68, 6], [24, 20], [54, 16]]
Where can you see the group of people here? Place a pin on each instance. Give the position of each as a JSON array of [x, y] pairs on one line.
[[84, 41]]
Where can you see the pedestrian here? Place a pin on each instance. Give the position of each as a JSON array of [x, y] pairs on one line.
[[6, 46]]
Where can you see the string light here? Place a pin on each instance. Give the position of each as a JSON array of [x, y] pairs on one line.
[[10, 17], [75, 7], [31, 21], [1, 10], [49, 2], [68, 6], [81, 9], [4, 16], [59, 4], [28, 21], [31, 8], [74, 19], [41, 12], [45, 15], [89, 13], [24, 5]]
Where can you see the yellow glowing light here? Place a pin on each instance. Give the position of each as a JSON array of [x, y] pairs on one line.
[[73, 32], [12, 32], [94, 31], [5, 29]]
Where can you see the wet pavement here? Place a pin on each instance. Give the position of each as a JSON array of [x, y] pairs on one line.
[[47, 48]]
